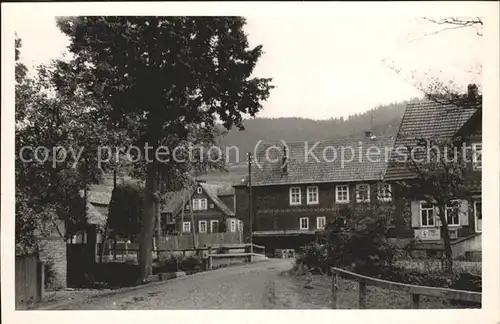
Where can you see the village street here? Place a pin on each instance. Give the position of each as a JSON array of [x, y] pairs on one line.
[[251, 286]]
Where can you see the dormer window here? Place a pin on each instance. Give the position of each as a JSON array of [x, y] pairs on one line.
[[199, 190]]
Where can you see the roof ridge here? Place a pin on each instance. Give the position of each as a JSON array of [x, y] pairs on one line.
[[388, 137]]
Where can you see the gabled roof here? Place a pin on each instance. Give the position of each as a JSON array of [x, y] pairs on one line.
[[94, 216], [427, 120], [338, 160], [173, 201], [469, 125], [214, 191], [98, 194]]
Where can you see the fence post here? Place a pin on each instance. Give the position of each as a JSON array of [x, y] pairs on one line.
[[210, 258], [334, 289], [41, 282], [415, 303], [362, 294]]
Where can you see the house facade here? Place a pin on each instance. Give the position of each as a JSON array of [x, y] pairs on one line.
[[204, 208], [299, 188], [428, 120]]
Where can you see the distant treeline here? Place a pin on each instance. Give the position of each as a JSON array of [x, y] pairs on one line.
[[386, 120]]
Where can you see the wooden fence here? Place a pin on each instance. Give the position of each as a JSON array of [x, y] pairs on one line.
[[413, 290], [250, 252], [29, 279], [203, 239]]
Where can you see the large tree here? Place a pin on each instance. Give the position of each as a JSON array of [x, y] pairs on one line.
[[441, 167], [161, 74], [56, 142]]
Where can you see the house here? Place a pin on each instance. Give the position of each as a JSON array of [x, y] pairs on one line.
[[438, 120], [298, 188], [210, 206], [98, 199]]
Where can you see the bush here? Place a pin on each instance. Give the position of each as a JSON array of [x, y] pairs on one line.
[[191, 263], [363, 248], [179, 263], [169, 264], [314, 257]]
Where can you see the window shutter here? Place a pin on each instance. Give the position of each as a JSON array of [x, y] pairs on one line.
[[464, 213], [438, 220], [415, 214]]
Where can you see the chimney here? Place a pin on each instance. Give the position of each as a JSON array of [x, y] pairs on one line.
[[471, 94], [368, 134], [284, 161]]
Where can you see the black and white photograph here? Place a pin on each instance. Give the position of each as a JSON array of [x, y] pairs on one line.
[[263, 160]]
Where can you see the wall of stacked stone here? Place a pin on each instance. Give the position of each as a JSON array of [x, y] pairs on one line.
[[52, 252]]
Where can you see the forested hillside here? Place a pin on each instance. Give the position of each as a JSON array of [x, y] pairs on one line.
[[386, 120]]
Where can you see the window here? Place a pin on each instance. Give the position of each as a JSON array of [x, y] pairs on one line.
[[295, 196], [240, 226], [233, 225], [187, 206], [214, 226], [384, 192], [199, 190], [203, 204], [186, 227], [427, 216], [202, 226], [362, 192], [200, 204], [342, 193], [320, 222], [478, 215], [452, 214], [477, 150], [304, 223], [312, 195], [211, 205]]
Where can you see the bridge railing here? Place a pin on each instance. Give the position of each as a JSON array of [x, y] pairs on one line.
[[414, 290]]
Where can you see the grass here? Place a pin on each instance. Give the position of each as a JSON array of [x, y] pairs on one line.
[[376, 298], [474, 268]]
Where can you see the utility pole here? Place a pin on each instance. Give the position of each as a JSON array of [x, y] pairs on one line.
[[114, 234], [250, 203]]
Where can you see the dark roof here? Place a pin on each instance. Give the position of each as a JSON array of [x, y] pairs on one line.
[[338, 160], [426, 120], [216, 190], [172, 201], [469, 125]]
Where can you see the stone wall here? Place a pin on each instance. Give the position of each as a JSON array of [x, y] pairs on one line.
[[52, 252]]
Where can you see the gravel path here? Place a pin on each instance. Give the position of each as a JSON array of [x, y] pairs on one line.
[[258, 285]]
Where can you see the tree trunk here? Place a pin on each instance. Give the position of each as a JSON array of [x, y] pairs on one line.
[[148, 217], [182, 210], [448, 258], [158, 216], [158, 228]]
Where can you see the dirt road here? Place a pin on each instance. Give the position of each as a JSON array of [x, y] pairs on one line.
[[259, 285]]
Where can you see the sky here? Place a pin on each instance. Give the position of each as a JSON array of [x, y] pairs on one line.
[[325, 66]]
